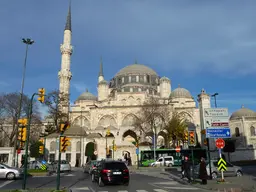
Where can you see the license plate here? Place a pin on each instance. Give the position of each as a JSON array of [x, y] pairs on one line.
[[117, 173]]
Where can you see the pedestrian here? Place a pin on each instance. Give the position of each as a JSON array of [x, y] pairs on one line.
[[203, 172], [187, 169], [182, 168]]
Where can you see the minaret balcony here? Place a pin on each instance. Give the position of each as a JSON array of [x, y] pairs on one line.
[[66, 49], [65, 73]]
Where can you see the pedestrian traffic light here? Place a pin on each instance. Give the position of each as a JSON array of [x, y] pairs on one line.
[[64, 143], [64, 126], [41, 94], [185, 136], [41, 149], [205, 141], [192, 139], [203, 132], [21, 145], [22, 135]]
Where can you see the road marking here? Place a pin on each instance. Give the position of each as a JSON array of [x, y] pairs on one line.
[[122, 191], [141, 190], [82, 188], [5, 183], [160, 190], [102, 191], [167, 183], [184, 188]]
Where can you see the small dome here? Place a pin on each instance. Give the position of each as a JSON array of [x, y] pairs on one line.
[[243, 112], [136, 69], [87, 96], [165, 79], [180, 93]]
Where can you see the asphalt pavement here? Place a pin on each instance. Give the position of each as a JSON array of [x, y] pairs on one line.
[[78, 181]]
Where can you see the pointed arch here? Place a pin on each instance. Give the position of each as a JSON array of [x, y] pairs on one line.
[[81, 121], [130, 133], [107, 120], [129, 120], [89, 149], [186, 116], [237, 132], [253, 131]]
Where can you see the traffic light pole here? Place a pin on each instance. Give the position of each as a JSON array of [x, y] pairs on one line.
[[27, 142], [59, 159]]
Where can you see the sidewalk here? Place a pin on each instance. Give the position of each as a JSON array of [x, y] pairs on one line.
[[232, 184]]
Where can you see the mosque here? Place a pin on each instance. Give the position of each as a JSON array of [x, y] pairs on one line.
[[118, 105]]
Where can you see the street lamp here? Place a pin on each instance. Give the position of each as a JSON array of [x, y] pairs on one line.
[[27, 42], [214, 96]]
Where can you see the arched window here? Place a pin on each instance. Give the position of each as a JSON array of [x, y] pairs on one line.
[[253, 131], [237, 132]]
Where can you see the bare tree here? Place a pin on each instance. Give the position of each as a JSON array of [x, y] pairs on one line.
[[175, 129], [153, 117], [9, 110], [53, 102]]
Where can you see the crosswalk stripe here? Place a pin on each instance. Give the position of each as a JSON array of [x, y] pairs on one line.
[[167, 183], [83, 188], [184, 188], [141, 190], [160, 190], [122, 191]]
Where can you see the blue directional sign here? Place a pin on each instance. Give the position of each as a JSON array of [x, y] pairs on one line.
[[137, 151], [219, 132]]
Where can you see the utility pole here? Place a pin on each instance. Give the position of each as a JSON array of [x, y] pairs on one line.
[[16, 142], [215, 101]]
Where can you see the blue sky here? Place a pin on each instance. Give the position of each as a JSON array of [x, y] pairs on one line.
[[197, 44]]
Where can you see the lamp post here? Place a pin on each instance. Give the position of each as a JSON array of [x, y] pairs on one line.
[[214, 96], [27, 42]]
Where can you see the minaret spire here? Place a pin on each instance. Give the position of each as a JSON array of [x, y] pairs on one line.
[[101, 67], [68, 22]]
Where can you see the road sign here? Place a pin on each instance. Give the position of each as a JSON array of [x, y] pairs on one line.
[[223, 132], [220, 143], [216, 122], [222, 165], [137, 151], [216, 112], [43, 167], [95, 153], [177, 149]]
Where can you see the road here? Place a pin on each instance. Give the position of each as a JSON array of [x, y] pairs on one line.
[[81, 182]]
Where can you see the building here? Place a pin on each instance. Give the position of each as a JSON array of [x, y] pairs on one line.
[[117, 107]]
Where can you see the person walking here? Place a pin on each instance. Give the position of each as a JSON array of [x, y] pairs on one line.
[[203, 172], [187, 169], [182, 168]]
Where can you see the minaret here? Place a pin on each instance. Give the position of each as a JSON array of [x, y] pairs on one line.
[[65, 73], [102, 85]]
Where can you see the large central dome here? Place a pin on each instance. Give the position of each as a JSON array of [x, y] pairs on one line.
[[136, 69]]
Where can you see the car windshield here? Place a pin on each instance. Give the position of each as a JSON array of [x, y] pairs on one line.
[[5, 165], [115, 165]]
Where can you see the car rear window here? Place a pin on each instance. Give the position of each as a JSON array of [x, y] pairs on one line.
[[115, 165]]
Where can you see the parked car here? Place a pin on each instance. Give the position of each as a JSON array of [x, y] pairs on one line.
[[232, 170], [107, 172], [64, 166], [35, 165], [90, 166], [10, 173], [164, 161]]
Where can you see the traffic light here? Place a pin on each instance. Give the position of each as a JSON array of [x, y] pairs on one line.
[[114, 148], [108, 132], [192, 139], [41, 94], [203, 132], [64, 142], [21, 145], [41, 140], [41, 149], [205, 142], [22, 135], [64, 126], [186, 136], [107, 151]]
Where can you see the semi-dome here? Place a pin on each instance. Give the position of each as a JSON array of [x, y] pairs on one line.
[[243, 112], [180, 93], [87, 96], [136, 69]]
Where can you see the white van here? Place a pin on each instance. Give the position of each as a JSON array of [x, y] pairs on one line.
[[164, 161]]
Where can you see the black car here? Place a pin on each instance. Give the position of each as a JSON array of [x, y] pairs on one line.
[[114, 172]]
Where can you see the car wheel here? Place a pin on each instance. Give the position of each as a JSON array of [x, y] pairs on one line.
[[239, 173], [214, 175], [36, 167], [10, 176], [93, 178], [126, 183], [170, 165], [101, 184]]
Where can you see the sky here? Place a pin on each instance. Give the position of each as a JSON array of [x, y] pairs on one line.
[[197, 44]]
